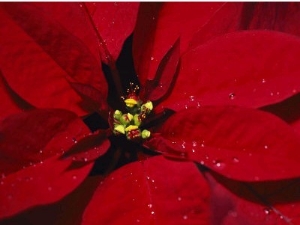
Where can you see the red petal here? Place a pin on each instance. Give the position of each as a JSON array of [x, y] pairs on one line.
[[11, 103], [243, 144], [67, 211], [164, 26], [114, 22], [156, 190], [39, 184], [253, 69], [89, 148], [282, 17], [254, 203], [31, 144], [41, 54], [31, 137]]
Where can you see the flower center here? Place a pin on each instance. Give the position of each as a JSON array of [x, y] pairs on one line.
[[129, 123]]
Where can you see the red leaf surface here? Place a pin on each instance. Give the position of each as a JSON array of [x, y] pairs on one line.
[[45, 47], [165, 25], [39, 184], [31, 143], [67, 211], [277, 16], [254, 203], [11, 103], [31, 137], [156, 190], [242, 144], [157, 88], [89, 148], [114, 23], [250, 68]]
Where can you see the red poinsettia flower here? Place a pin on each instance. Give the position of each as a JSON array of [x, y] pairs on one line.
[[209, 76]]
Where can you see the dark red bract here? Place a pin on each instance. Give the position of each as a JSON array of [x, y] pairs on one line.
[[224, 131]]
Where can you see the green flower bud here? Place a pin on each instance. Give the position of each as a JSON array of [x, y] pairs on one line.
[[117, 114], [126, 118], [146, 134], [137, 120], [119, 129], [147, 107]]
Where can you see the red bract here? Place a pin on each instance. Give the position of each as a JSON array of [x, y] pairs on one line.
[[151, 191], [210, 69]]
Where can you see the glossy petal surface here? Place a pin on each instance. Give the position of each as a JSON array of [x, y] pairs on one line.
[[164, 26], [152, 191], [41, 54], [249, 68], [239, 143], [31, 144], [114, 22], [254, 203]]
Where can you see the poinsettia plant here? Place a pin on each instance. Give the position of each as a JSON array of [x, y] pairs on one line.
[[149, 113]]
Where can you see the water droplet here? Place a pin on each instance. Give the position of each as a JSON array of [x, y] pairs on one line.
[[202, 162], [183, 145], [236, 160], [232, 96], [152, 58], [194, 143], [49, 188], [74, 177], [150, 206], [267, 211], [294, 91], [218, 164], [185, 217], [138, 221], [193, 150], [152, 181], [152, 212], [41, 151], [266, 146], [74, 140], [271, 93], [80, 5], [263, 81], [147, 177], [256, 178], [153, 18], [192, 98], [179, 198]]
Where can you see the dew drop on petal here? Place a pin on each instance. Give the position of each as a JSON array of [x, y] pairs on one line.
[[179, 198], [236, 160], [232, 96], [192, 98], [266, 146], [263, 81], [185, 217], [267, 211], [152, 212], [74, 140], [74, 177], [152, 58], [49, 188], [150, 206]]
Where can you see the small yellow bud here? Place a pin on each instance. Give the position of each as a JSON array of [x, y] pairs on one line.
[[146, 134], [120, 129], [130, 102], [131, 127]]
